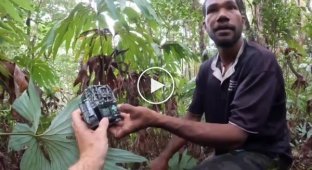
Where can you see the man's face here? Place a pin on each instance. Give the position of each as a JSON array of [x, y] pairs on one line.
[[223, 22]]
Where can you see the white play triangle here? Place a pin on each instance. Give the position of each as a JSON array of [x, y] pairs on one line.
[[155, 85]]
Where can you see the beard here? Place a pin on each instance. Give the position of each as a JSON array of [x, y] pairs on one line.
[[225, 42]]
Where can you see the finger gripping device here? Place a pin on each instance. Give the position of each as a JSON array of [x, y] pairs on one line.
[[98, 101]]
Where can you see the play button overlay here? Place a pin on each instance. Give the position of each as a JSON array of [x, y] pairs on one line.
[[155, 85]]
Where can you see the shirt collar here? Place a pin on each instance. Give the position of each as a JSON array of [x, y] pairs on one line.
[[217, 71]]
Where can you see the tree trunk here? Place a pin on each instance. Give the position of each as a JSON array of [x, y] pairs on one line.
[[309, 5], [249, 31], [202, 45], [257, 9]]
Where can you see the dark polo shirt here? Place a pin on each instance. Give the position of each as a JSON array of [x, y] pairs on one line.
[[252, 98]]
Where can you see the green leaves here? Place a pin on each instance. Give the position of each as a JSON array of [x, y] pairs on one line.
[[95, 42], [120, 156], [55, 148], [8, 7], [28, 106], [147, 9], [67, 30], [83, 18], [182, 162], [19, 142], [11, 33], [173, 52], [26, 4], [34, 158], [40, 71], [112, 9], [178, 51]]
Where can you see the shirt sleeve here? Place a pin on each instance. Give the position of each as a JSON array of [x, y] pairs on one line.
[[197, 104], [253, 100]]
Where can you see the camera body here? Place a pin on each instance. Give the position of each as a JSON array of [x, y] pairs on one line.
[[98, 101]]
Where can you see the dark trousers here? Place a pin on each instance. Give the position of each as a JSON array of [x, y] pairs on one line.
[[244, 160]]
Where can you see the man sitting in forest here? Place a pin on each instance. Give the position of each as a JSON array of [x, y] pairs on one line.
[[241, 93]]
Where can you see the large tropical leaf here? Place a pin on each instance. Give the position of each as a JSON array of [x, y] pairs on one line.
[[42, 73], [176, 50], [11, 33], [120, 156], [39, 70], [83, 18], [147, 9], [9, 8], [55, 148], [19, 142], [7, 34], [26, 4], [67, 30], [28, 106], [112, 9]]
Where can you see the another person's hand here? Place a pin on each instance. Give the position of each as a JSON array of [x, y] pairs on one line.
[[159, 163], [134, 118], [92, 144]]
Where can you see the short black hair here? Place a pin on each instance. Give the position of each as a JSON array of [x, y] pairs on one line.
[[205, 10]]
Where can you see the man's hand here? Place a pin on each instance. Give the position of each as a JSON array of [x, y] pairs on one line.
[[134, 119], [93, 144], [159, 163]]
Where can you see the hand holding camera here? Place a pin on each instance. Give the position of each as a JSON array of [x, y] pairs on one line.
[[98, 101]]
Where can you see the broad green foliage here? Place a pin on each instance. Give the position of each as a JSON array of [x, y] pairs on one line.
[[91, 31], [184, 95], [39, 70], [182, 161], [83, 18], [287, 25], [181, 21], [55, 148], [155, 33], [284, 21], [9, 30], [16, 38], [177, 51], [11, 33], [28, 106], [118, 156], [9, 7]]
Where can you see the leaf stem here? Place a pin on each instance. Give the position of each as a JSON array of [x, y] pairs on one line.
[[7, 134]]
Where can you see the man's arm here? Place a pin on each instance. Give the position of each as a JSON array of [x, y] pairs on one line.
[[207, 134], [172, 147]]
